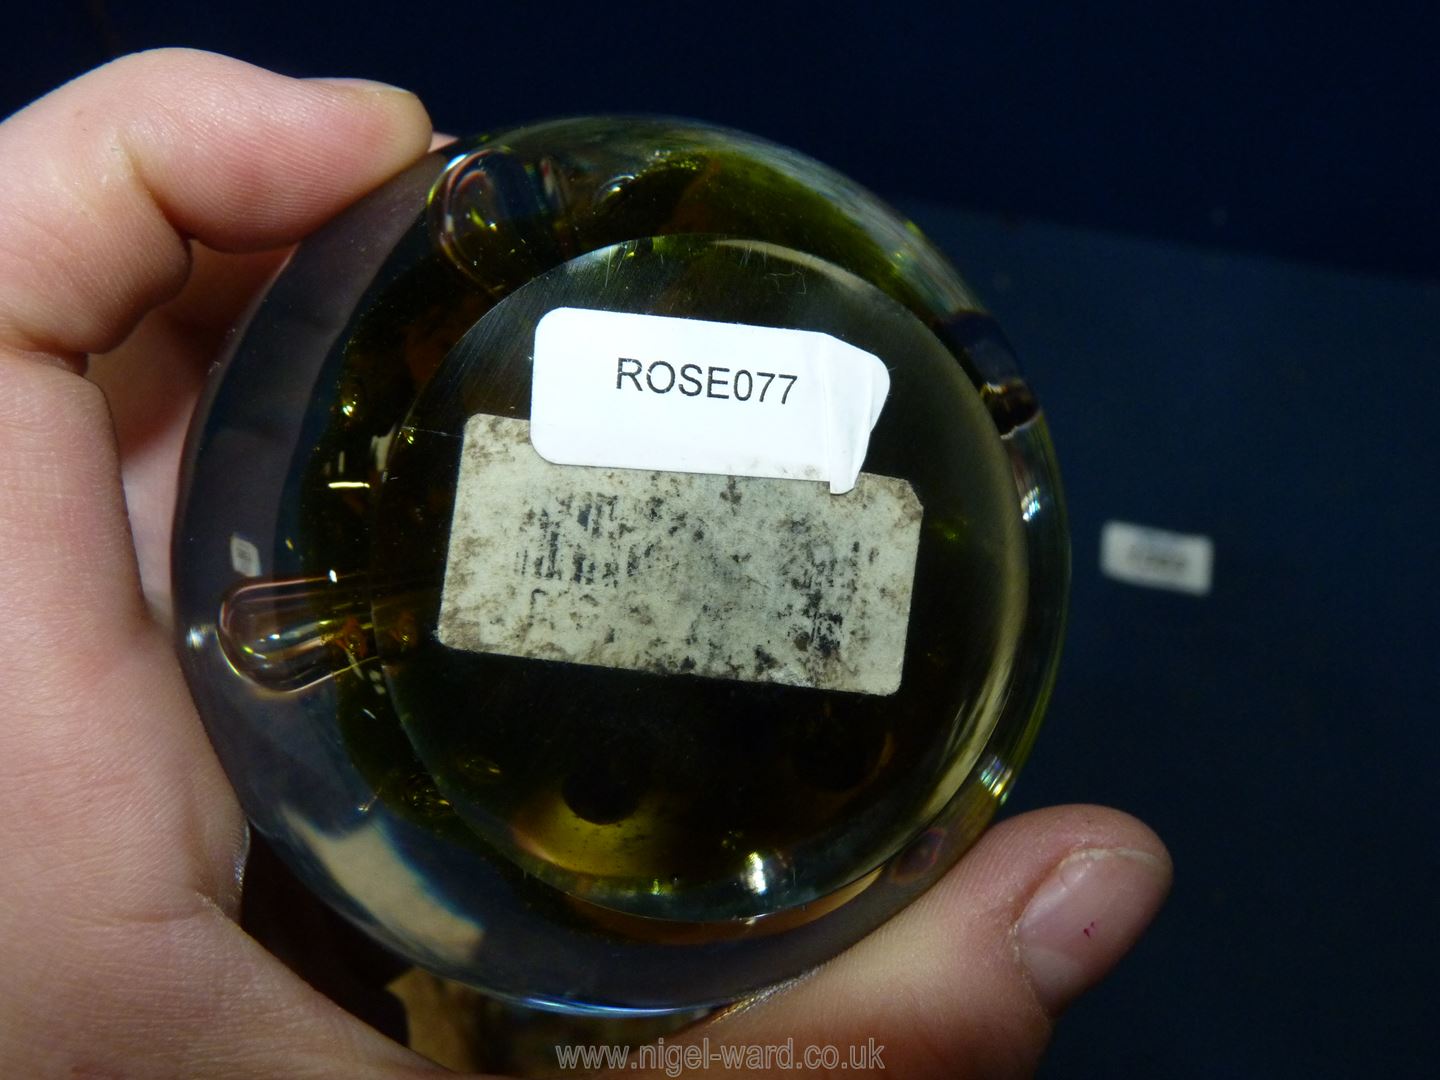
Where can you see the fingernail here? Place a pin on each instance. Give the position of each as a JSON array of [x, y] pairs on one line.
[[1085, 916], [366, 85]]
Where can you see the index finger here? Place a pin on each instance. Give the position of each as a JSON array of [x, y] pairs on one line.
[[118, 834], [102, 185], [106, 178]]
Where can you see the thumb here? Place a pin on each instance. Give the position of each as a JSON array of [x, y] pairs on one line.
[[968, 981]]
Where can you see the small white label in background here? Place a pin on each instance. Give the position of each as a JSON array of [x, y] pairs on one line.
[[631, 391], [1156, 558]]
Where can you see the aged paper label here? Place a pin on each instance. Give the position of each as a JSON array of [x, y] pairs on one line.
[[746, 578]]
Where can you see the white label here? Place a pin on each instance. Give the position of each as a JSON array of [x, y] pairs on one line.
[[1156, 558], [746, 578], [685, 395], [244, 556]]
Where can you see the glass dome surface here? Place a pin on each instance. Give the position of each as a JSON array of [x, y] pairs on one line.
[[650, 760]]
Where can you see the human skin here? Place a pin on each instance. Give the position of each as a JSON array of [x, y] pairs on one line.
[[140, 208]]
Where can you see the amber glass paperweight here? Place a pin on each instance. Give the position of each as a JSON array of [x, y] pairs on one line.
[[619, 564]]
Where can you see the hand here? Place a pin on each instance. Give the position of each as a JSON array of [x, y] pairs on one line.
[[140, 206]]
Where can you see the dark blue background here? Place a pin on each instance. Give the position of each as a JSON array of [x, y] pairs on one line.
[[1212, 236], [1278, 733], [1306, 130]]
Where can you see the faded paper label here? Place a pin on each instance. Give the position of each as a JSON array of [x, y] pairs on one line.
[[747, 578]]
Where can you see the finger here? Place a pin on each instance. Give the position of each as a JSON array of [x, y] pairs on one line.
[[122, 165], [151, 383], [968, 980], [135, 157], [118, 834], [153, 379]]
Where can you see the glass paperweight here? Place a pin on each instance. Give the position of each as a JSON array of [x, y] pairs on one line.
[[619, 564]]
